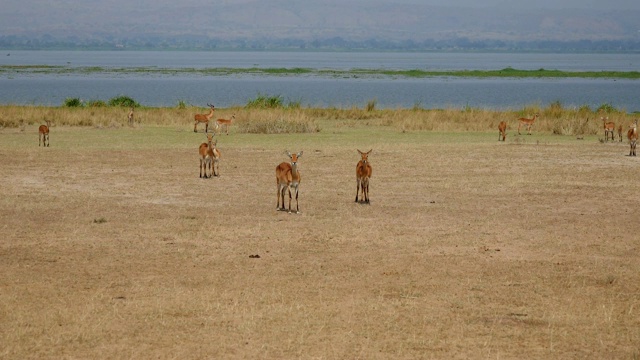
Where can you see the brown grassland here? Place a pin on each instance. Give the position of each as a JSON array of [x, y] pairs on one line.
[[112, 247]]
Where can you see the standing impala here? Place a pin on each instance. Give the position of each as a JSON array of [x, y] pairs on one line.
[[526, 122], [214, 156], [130, 117], [609, 128], [632, 134], [205, 156], [204, 118], [225, 122], [288, 177], [363, 173], [43, 134], [502, 128], [620, 132]]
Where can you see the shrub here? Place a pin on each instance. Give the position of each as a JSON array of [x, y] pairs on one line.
[[72, 102], [607, 108], [96, 103], [265, 102], [182, 105], [371, 105], [123, 101]]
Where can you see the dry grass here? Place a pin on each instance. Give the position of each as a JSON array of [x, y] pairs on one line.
[[113, 247], [554, 118]]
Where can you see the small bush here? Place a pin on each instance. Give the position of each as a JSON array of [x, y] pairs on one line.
[[72, 102], [607, 108], [371, 105], [123, 101], [182, 105], [265, 102], [96, 103]]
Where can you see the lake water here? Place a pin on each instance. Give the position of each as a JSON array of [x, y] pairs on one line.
[[321, 91]]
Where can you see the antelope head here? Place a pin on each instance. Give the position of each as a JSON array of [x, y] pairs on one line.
[[210, 138], [293, 157], [365, 155], [211, 106]]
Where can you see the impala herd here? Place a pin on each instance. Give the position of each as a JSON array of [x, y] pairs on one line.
[[288, 176]]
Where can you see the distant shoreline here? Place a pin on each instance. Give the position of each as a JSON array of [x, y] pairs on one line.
[[508, 72]]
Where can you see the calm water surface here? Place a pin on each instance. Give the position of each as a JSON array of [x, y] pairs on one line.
[[224, 91]]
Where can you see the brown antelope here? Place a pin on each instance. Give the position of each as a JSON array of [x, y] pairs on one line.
[[204, 118], [205, 159], [526, 122], [288, 177], [225, 122], [213, 156], [363, 173], [620, 132], [609, 128], [502, 127], [130, 117], [632, 135], [43, 134]]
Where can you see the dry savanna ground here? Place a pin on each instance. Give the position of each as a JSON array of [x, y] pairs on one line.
[[111, 246]]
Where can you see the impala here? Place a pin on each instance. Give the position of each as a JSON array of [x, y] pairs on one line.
[[288, 177], [43, 134], [205, 158], [204, 118], [632, 134], [214, 156], [502, 127], [526, 122], [609, 128], [363, 173], [620, 132], [130, 117], [225, 122]]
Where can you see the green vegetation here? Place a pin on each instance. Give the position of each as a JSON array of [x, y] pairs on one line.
[[415, 73], [123, 101]]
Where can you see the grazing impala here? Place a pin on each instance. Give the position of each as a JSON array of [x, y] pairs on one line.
[[288, 177], [204, 118], [225, 122], [526, 122], [363, 173], [205, 157], [609, 128], [632, 134], [130, 117], [502, 127], [43, 134]]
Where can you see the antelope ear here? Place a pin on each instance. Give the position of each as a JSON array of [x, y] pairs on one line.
[[369, 152], [286, 152], [300, 154], [359, 151]]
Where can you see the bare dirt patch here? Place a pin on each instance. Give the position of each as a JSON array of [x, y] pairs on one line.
[[470, 248]]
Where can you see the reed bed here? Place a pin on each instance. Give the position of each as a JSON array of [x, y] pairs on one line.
[[552, 119]]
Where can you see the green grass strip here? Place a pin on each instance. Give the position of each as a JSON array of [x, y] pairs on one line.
[[415, 73]]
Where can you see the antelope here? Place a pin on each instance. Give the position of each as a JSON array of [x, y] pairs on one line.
[[130, 117], [620, 132], [609, 128], [205, 157], [214, 155], [288, 177], [204, 118], [502, 127], [43, 134], [225, 122], [526, 122], [363, 173], [632, 135]]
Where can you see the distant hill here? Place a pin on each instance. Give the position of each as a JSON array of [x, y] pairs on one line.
[[319, 24]]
